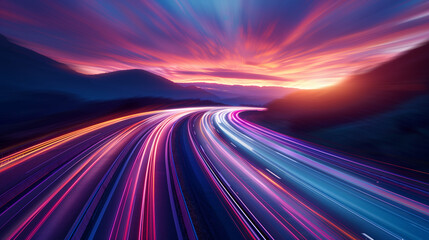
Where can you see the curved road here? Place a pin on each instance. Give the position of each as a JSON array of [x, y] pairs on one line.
[[201, 173]]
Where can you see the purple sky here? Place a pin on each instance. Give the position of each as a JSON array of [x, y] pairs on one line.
[[303, 44]]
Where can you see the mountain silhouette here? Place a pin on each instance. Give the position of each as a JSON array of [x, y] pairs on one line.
[[23, 70], [378, 90]]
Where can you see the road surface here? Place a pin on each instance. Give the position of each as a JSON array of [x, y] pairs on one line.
[[203, 173]]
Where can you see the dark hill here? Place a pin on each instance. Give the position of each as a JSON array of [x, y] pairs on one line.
[[24, 70], [136, 83], [360, 96]]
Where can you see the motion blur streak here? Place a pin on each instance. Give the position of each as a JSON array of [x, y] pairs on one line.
[[201, 173], [294, 44]]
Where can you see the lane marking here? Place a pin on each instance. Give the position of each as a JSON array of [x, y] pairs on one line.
[[367, 236], [272, 173], [286, 157]]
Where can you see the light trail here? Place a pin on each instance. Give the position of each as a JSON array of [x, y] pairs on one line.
[[202, 172]]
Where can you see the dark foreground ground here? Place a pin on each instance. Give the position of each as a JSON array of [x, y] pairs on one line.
[[399, 136]]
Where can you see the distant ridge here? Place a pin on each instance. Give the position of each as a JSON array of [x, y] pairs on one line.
[[239, 94], [376, 91], [22, 69]]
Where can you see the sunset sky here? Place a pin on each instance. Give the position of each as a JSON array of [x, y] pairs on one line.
[[300, 44]]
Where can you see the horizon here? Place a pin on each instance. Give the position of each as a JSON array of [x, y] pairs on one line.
[[304, 46], [193, 119]]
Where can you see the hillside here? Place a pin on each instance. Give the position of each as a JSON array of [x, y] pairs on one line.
[[23, 70], [360, 96], [246, 95]]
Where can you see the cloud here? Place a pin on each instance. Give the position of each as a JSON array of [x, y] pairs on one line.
[[286, 43], [224, 73]]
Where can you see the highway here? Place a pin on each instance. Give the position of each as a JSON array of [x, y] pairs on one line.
[[201, 173]]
